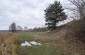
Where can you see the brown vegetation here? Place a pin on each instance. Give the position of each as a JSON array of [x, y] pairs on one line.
[[8, 44], [70, 39]]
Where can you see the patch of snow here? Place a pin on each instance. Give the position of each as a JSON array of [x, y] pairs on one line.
[[26, 44], [33, 43], [39, 44], [30, 43], [23, 44]]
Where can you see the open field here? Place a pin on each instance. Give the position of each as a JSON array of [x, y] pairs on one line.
[[52, 44], [45, 49]]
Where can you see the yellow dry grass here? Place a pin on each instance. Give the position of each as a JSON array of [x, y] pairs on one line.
[[8, 44]]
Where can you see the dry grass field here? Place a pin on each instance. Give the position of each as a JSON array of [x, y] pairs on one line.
[[9, 44], [67, 41], [54, 44]]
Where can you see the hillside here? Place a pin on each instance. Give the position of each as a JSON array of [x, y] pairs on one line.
[[69, 39]]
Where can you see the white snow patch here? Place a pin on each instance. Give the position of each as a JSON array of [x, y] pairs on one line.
[[30, 43], [26, 44], [34, 43], [39, 44], [23, 44]]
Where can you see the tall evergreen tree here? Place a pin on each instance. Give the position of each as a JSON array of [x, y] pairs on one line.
[[53, 14]]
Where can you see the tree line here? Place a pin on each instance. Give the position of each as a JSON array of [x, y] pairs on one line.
[[14, 28]]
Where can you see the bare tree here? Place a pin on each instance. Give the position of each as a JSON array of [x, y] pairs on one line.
[[12, 27], [80, 7], [19, 28]]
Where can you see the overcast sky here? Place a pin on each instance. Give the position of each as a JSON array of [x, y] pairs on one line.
[[28, 13]]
